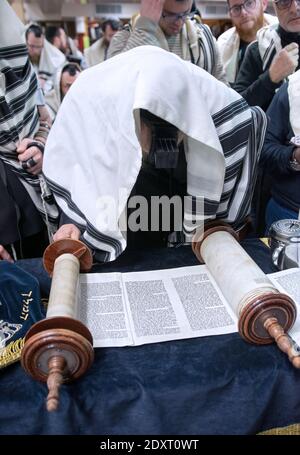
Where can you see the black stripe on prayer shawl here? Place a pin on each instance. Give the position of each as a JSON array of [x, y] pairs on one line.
[[225, 196], [233, 207], [233, 170], [229, 112], [30, 178], [89, 228], [17, 106], [103, 238], [209, 206], [16, 76], [256, 139], [12, 135], [209, 54], [10, 52], [235, 139], [15, 82], [66, 196], [234, 150], [269, 54]]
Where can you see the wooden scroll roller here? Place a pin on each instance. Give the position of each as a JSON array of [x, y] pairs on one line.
[[60, 348], [264, 313]]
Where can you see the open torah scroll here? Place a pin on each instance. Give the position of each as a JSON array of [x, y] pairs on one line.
[[162, 305]]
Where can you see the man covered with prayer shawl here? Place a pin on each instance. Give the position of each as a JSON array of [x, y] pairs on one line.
[[24, 197], [93, 155]]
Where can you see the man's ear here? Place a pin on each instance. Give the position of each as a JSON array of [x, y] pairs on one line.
[[264, 4]]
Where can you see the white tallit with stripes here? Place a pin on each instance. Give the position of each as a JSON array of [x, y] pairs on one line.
[[269, 44], [93, 154], [18, 110]]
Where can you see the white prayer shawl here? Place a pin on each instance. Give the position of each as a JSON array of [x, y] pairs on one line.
[[199, 41], [53, 97], [269, 43], [294, 102], [74, 50], [229, 44], [52, 59], [93, 154], [95, 53], [18, 104]]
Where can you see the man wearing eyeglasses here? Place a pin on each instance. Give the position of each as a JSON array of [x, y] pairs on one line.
[[169, 24], [247, 17], [273, 57], [46, 59]]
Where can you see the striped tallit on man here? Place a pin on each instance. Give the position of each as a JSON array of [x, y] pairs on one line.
[[19, 116], [93, 154]]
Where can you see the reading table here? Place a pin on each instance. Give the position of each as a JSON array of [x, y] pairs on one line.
[[210, 385]]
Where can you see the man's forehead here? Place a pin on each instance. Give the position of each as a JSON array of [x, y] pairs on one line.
[[238, 2], [32, 38], [173, 6], [235, 2], [67, 78], [108, 29]]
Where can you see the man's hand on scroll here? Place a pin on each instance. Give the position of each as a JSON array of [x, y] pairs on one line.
[[30, 157], [284, 63], [152, 9], [67, 231], [4, 255]]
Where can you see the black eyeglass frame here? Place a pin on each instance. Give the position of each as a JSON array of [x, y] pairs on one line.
[[288, 4], [238, 8], [173, 17]]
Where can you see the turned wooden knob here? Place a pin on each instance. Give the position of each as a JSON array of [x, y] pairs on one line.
[[59, 348], [75, 247]]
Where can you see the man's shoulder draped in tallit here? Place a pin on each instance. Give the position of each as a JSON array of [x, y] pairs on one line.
[[18, 105], [53, 98], [93, 156], [269, 43]]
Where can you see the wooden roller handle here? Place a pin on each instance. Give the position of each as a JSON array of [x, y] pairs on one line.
[[54, 381], [284, 341]]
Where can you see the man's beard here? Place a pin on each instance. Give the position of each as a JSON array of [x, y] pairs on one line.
[[250, 35], [35, 60]]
